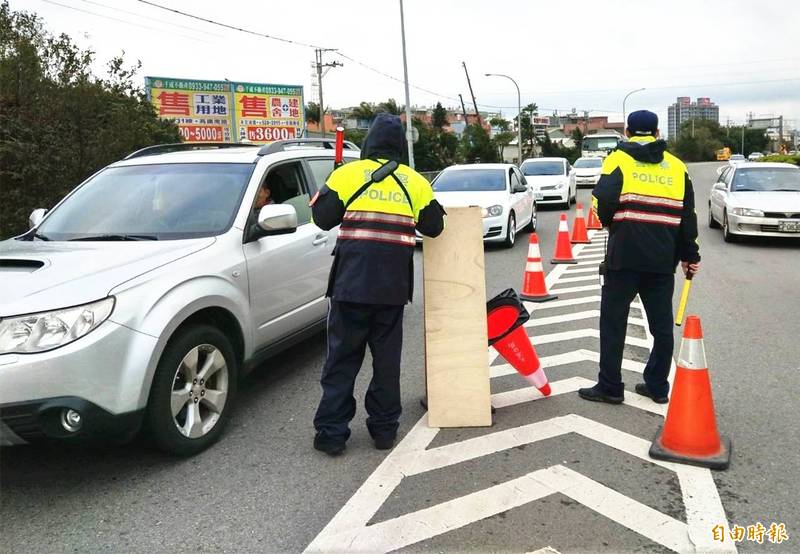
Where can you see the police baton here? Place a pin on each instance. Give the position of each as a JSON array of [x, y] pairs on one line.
[[687, 286]]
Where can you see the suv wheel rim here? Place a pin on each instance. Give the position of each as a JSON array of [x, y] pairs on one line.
[[199, 391], [512, 231]]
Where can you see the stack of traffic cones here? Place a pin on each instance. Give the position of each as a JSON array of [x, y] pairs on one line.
[[563, 254], [534, 289], [579, 234], [593, 223], [690, 433]]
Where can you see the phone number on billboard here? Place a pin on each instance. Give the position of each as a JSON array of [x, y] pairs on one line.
[[196, 133], [268, 134]]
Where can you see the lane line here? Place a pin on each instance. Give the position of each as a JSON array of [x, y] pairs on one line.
[[568, 290], [594, 277]]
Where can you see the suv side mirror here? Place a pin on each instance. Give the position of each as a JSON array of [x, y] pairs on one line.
[[36, 217], [720, 186], [520, 188], [277, 219]]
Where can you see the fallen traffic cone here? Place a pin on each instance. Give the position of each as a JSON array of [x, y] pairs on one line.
[[690, 433], [593, 223], [534, 289], [505, 319], [563, 253], [579, 235]]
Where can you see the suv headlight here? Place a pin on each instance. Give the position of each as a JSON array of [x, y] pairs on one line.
[[492, 211], [28, 334], [561, 184], [748, 212]]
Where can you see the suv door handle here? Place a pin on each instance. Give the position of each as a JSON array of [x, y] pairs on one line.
[[321, 238]]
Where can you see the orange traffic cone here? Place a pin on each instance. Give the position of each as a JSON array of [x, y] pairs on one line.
[[593, 223], [534, 289], [690, 433], [579, 235], [563, 253]]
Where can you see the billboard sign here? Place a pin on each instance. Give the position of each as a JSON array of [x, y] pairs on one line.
[[224, 111]]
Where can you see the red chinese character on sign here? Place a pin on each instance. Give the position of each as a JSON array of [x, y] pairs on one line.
[[276, 101], [294, 102], [173, 103], [253, 106], [294, 112], [277, 112]]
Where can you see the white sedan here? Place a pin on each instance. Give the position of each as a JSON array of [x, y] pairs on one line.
[[587, 171], [552, 179], [499, 189], [759, 199]]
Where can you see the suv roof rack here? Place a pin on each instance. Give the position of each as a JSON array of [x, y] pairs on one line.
[[280, 145], [183, 146]]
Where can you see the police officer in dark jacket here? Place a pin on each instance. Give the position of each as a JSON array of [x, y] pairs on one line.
[[370, 282], [645, 199]]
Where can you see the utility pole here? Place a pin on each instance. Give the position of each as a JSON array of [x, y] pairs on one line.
[[474, 103], [586, 122], [463, 109], [318, 62], [409, 126], [693, 127], [780, 132]]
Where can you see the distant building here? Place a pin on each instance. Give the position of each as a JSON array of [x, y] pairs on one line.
[[684, 110]]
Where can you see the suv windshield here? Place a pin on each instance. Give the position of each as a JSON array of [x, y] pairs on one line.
[[152, 202], [543, 168], [589, 162], [470, 180], [767, 179]]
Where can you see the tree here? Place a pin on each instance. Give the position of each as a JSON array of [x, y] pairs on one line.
[[58, 122], [364, 111], [312, 112], [526, 123], [477, 146], [390, 107], [440, 117], [505, 135]]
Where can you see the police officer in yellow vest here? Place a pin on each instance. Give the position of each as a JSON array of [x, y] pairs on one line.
[[370, 282], [645, 199]]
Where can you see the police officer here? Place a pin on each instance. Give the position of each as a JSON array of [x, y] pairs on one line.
[[370, 282], [645, 199]]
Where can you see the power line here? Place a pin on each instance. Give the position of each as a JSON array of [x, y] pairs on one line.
[[233, 27], [114, 8], [126, 22]]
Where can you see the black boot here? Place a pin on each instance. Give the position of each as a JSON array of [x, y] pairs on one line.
[[384, 443], [642, 389], [596, 394], [328, 446]]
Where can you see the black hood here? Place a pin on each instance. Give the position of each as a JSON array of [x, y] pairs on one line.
[[648, 152], [385, 140]]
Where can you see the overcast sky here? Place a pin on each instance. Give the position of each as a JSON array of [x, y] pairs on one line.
[[581, 54]]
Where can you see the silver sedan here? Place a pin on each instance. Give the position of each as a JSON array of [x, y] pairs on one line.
[[757, 199]]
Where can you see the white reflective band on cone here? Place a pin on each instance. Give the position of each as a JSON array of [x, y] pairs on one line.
[[692, 354], [538, 379], [534, 266], [562, 226], [533, 251], [579, 212]]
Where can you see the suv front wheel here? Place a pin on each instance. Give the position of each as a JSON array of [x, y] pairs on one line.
[[193, 390]]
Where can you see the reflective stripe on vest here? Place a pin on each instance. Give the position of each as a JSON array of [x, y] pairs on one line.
[[378, 227]]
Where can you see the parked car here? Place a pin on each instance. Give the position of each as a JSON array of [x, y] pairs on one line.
[[145, 294], [587, 171], [502, 192], [755, 156], [758, 199], [552, 179], [736, 159]]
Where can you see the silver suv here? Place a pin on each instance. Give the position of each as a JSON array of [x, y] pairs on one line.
[[149, 290]]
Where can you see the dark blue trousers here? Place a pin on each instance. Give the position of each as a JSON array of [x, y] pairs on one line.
[[619, 290], [351, 327]]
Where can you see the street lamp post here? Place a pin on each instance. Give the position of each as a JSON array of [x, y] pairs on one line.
[[519, 112], [409, 132], [624, 122]]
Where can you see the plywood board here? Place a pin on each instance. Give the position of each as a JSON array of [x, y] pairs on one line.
[[456, 365]]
